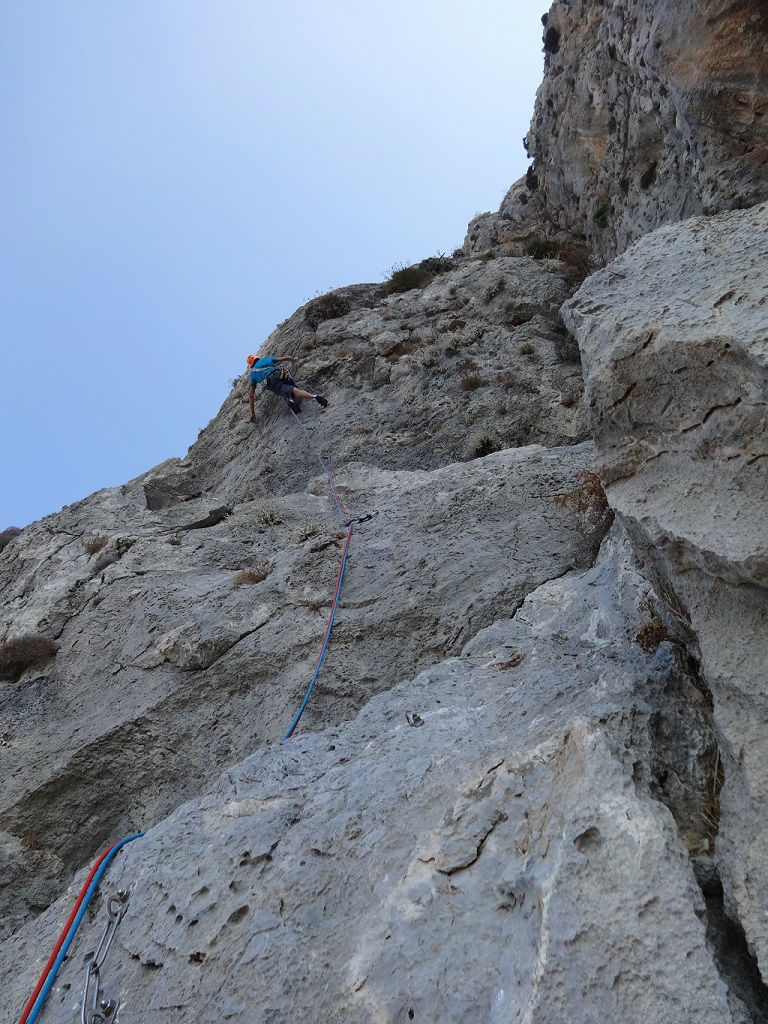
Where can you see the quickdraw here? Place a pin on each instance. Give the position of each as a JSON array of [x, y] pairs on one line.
[[47, 979], [94, 1009], [364, 519]]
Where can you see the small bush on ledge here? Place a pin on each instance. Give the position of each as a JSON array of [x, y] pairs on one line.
[[419, 275], [480, 443], [573, 254], [7, 535], [29, 651], [600, 214], [653, 633], [330, 306], [589, 504]]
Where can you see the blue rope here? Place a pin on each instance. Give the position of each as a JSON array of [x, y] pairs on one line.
[[350, 524], [75, 925], [300, 712]]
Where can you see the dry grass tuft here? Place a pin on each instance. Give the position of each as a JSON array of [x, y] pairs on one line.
[[95, 544], [267, 512], [305, 530], [256, 575], [653, 633], [494, 290], [471, 382], [29, 651]]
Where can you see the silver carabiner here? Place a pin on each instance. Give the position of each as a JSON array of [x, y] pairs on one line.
[[116, 908]]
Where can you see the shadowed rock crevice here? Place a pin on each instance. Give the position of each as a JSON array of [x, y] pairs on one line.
[[747, 993], [687, 777], [686, 772]]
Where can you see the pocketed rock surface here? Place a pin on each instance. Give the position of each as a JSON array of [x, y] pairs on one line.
[[505, 859], [528, 784], [648, 113], [189, 605], [167, 669]]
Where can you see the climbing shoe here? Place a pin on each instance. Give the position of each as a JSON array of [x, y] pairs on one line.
[[321, 400], [293, 405]]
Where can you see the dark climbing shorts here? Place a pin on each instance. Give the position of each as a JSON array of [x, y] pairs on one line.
[[281, 383]]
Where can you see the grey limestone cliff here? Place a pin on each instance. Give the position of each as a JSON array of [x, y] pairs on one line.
[[529, 784], [648, 113]]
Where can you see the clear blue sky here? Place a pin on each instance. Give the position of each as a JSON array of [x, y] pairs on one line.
[[178, 176]]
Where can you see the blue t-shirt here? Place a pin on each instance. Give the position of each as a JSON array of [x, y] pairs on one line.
[[261, 369]]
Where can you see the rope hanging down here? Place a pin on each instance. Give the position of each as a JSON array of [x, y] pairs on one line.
[[350, 524], [51, 969], [326, 638], [327, 471]]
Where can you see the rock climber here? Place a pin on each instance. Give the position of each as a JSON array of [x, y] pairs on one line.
[[268, 372]]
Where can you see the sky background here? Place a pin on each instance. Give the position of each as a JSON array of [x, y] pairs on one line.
[[179, 176]]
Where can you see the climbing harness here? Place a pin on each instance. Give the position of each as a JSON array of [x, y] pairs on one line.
[[350, 523], [94, 1009], [45, 983]]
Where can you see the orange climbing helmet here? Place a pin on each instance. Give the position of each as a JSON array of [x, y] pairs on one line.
[[251, 360]]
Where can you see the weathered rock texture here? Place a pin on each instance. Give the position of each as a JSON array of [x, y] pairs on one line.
[[161, 639], [163, 646], [676, 358], [506, 860], [648, 113], [528, 786]]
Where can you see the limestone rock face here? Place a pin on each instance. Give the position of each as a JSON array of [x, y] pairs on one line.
[[504, 859], [648, 113], [475, 361], [529, 783], [166, 662], [673, 336], [189, 605], [520, 221]]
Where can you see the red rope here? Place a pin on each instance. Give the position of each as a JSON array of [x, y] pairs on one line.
[[62, 937]]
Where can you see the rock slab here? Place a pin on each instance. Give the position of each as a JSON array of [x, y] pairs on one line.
[[673, 340]]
